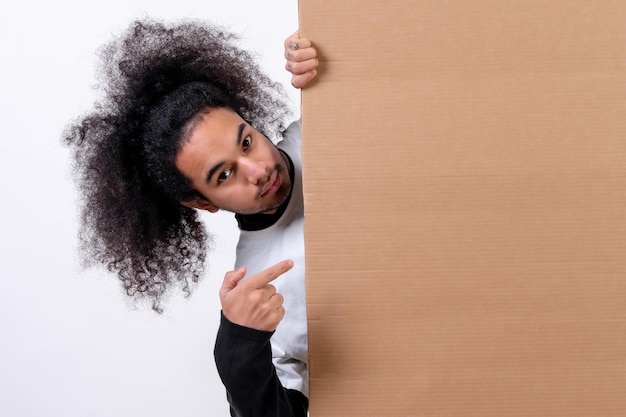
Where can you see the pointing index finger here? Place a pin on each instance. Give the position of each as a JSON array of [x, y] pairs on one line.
[[268, 275]]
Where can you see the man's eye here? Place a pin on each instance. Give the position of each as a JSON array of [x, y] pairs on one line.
[[224, 175], [246, 142]]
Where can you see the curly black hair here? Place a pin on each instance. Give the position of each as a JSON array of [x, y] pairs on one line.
[[154, 79]]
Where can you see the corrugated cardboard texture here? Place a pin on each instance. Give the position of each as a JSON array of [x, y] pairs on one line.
[[465, 189]]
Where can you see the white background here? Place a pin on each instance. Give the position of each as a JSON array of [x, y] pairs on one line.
[[70, 343]]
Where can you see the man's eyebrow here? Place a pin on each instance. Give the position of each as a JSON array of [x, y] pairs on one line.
[[240, 133], [217, 166]]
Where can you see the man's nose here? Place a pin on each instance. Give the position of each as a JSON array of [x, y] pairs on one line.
[[253, 170]]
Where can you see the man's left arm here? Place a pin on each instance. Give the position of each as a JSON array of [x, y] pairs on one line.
[[302, 60]]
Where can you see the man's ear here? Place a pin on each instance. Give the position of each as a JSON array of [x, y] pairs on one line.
[[200, 203]]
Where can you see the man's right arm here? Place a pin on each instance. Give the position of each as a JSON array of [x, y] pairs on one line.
[[244, 362], [251, 311]]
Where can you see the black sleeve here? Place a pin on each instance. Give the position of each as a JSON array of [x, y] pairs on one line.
[[244, 363]]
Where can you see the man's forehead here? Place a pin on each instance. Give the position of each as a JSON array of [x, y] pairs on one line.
[[219, 125]]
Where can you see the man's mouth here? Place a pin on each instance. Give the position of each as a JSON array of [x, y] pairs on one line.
[[272, 185]]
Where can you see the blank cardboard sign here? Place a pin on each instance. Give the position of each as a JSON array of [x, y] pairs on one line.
[[465, 192]]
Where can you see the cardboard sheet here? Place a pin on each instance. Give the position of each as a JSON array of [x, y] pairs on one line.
[[465, 192]]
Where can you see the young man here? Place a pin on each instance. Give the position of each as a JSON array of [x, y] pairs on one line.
[[184, 125]]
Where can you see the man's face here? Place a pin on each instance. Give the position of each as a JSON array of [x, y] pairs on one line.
[[233, 166]]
